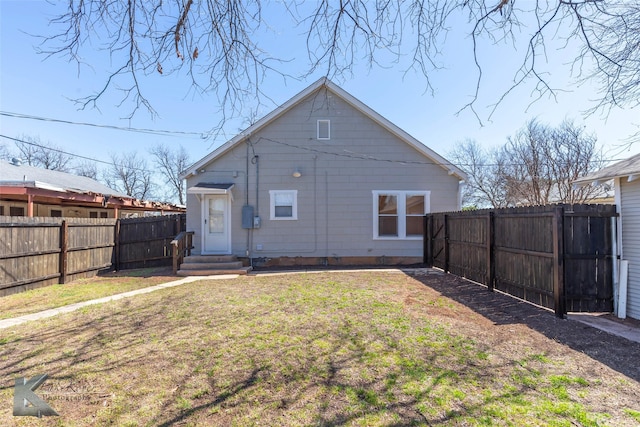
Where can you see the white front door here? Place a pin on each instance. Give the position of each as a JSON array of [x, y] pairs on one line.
[[216, 225]]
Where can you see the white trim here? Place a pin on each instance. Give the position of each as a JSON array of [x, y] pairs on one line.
[[272, 205], [204, 190], [205, 215], [402, 212], [328, 122]]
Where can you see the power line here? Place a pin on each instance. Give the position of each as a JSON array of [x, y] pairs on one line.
[[346, 154], [202, 135], [358, 156], [44, 147]]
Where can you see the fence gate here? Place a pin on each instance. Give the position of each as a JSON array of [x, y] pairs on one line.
[[589, 259], [434, 246]]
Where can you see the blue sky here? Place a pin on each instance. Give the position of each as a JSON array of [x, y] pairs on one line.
[[33, 85]]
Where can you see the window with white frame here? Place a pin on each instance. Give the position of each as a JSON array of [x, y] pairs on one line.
[[399, 214], [283, 204], [324, 129]]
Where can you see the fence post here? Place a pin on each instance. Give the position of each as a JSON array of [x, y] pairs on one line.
[[116, 241], [64, 247], [175, 248], [427, 248], [491, 259], [446, 243], [558, 262]]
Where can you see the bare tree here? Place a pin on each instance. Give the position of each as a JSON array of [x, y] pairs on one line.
[[129, 175], [536, 166], [5, 154], [544, 161], [485, 184], [218, 43], [170, 164], [35, 152], [87, 169]]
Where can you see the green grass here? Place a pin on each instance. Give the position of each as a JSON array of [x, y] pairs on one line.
[[304, 349], [633, 414], [81, 290]]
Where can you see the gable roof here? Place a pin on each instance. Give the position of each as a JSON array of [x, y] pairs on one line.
[[30, 176], [625, 168], [349, 99]]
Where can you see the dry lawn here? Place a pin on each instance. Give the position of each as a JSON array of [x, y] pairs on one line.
[[104, 285], [374, 348]]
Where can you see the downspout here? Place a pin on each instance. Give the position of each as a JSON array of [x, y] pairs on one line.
[[249, 230], [620, 265], [256, 161], [326, 214]]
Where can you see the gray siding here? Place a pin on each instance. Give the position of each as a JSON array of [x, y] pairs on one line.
[[630, 214], [335, 201]]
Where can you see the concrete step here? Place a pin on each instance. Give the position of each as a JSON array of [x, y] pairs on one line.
[[209, 258], [187, 265], [214, 272]]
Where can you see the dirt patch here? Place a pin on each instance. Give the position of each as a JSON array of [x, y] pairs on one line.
[[497, 316]]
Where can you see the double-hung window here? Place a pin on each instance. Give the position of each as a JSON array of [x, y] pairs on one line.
[[283, 204], [399, 214]]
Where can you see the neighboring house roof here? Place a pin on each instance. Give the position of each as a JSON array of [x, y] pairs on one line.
[[626, 168], [351, 100], [30, 176], [22, 180]]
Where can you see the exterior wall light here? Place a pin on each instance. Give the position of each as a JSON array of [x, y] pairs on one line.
[[297, 173]]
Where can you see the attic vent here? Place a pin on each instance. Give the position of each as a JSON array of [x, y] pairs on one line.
[[16, 162]]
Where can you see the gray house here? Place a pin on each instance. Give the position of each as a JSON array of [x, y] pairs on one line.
[[626, 179], [323, 179]]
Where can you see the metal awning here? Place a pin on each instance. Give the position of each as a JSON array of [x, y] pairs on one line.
[[203, 188]]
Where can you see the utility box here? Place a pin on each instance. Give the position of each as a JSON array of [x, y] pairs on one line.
[[247, 216], [256, 222]]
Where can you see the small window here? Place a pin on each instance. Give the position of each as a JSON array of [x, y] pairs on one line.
[[324, 129], [1, 210], [56, 213], [104, 215], [284, 204], [93, 214], [16, 211]]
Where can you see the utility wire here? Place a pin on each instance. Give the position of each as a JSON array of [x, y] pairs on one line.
[[346, 153], [67, 153], [202, 135], [358, 156]]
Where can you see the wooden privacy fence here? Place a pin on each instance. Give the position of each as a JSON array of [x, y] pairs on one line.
[[41, 251], [560, 257], [145, 242]]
